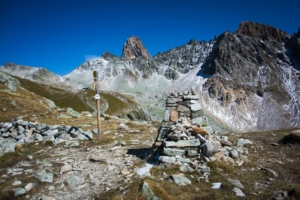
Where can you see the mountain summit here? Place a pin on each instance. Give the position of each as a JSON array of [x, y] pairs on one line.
[[134, 48], [261, 31]]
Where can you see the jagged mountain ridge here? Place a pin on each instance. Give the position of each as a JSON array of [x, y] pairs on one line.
[[255, 78], [249, 79], [148, 80]]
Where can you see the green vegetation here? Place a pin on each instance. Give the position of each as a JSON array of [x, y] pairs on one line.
[[60, 97]]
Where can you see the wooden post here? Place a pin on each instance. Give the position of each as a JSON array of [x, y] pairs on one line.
[[97, 97]]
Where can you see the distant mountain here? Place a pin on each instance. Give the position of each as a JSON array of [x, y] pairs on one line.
[[41, 75], [248, 79]]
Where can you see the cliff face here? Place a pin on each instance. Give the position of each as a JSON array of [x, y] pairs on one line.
[[134, 48], [257, 62], [261, 31]]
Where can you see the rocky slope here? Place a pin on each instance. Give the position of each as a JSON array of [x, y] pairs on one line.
[[254, 78]]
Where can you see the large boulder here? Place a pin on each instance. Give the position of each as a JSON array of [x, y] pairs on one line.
[[210, 148]]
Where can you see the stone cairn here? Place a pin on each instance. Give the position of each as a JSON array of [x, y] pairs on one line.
[[186, 139]]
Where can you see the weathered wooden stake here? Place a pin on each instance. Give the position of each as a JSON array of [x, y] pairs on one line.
[[97, 97]]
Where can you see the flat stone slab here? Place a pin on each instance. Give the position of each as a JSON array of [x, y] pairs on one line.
[[167, 159], [44, 176], [167, 115], [181, 179], [192, 153], [182, 108], [195, 107], [173, 152], [173, 100], [191, 97], [238, 192], [197, 120], [182, 143], [167, 124]]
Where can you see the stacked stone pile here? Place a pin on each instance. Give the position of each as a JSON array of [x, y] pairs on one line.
[[183, 105], [19, 131], [186, 140]]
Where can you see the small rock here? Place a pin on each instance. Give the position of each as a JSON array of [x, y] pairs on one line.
[[274, 144], [28, 187], [181, 179], [17, 182], [238, 192], [186, 168], [270, 171], [134, 142], [216, 186], [43, 176], [241, 142], [19, 191], [111, 167], [51, 187], [167, 159], [146, 191], [74, 180], [234, 154], [44, 197], [97, 159], [237, 183], [65, 168]]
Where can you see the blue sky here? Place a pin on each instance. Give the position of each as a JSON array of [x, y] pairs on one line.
[[61, 34]]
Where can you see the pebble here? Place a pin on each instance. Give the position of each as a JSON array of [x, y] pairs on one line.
[[17, 182]]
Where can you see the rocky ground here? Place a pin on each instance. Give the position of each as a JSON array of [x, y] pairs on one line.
[[116, 167], [66, 165]]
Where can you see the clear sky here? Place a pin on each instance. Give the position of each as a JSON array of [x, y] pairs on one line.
[[61, 34]]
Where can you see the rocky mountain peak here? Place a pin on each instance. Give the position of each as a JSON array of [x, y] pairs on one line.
[[261, 31], [134, 48]]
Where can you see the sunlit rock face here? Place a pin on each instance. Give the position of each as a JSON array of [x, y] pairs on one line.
[[134, 48], [255, 78], [261, 31]]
